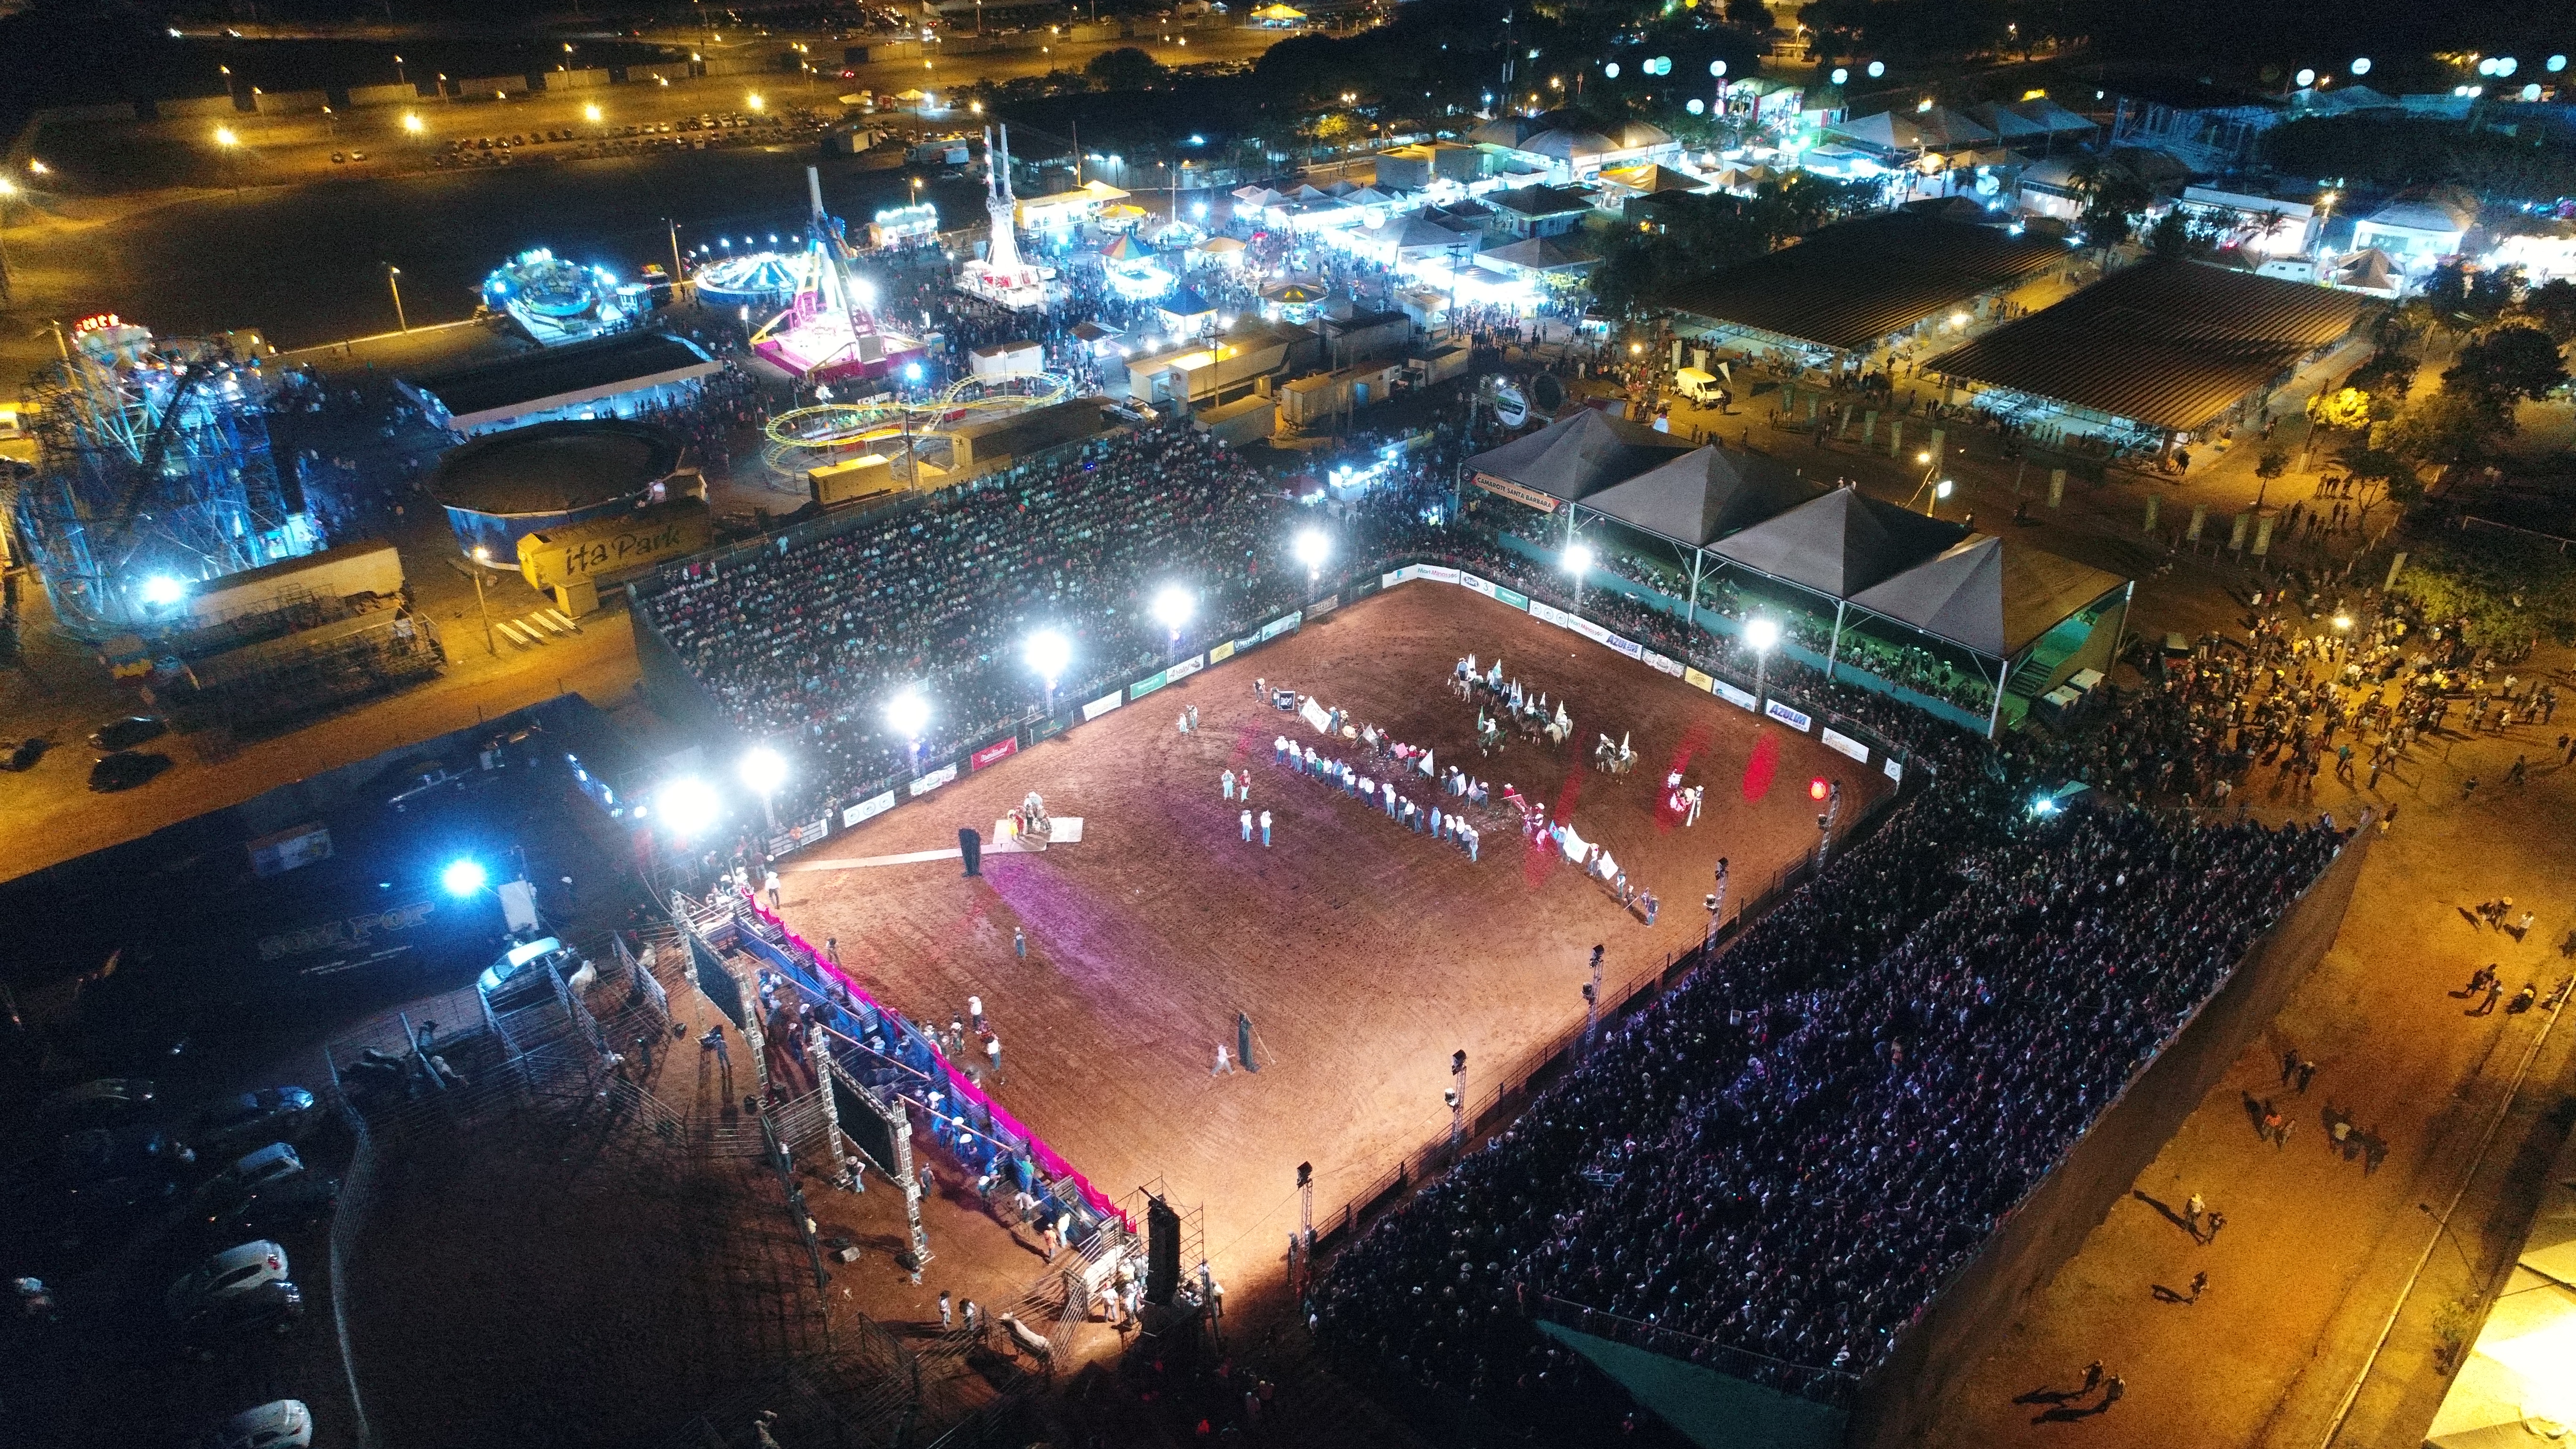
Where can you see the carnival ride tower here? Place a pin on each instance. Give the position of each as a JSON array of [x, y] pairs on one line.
[[831, 331], [154, 477], [1001, 275]]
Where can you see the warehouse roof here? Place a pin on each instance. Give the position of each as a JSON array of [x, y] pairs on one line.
[[1992, 596], [2166, 343], [557, 377], [1855, 282]]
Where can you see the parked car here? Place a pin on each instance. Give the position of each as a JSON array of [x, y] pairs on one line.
[[271, 1114], [126, 733], [126, 769], [274, 1306], [293, 1203], [279, 1424], [97, 1103], [255, 1172], [234, 1270]]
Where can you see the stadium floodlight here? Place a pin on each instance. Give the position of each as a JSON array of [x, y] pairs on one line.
[[687, 805], [2343, 621], [1312, 548], [1877, 68], [1173, 607], [764, 770], [1050, 654], [1762, 634], [909, 714], [1578, 562], [2361, 65], [2305, 78], [464, 877], [162, 590]]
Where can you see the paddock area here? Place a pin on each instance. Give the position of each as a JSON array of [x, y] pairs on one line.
[[1363, 952]]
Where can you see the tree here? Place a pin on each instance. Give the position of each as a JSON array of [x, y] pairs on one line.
[[2551, 307], [2344, 408], [1125, 69], [1752, 15], [2443, 430], [2272, 464], [2113, 196], [2176, 235], [2462, 299], [2511, 364]]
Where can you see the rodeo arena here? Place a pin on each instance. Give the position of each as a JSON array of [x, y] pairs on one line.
[[1554, 921]]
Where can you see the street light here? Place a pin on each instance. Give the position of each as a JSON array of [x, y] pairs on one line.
[[1940, 490], [1173, 608], [163, 590], [1049, 654], [413, 123], [393, 279], [482, 556], [764, 770], [1578, 561], [909, 714], [1762, 634], [591, 112], [1312, 548], [755, 101]]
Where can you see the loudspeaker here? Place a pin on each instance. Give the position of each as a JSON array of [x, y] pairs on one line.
[[1162, 1251]]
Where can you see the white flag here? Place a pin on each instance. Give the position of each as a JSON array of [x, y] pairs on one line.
[[1426, 762]]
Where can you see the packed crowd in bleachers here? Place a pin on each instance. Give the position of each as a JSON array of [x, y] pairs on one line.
[[807, 642], [1774, 1167]]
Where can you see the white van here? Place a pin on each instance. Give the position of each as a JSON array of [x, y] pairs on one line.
[[1699, 387]]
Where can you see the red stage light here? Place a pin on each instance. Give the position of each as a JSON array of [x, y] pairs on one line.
[[1816, 788]]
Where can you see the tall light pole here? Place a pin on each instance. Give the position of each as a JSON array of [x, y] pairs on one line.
[[909, 714], [1050, 654], [764, 770], [1457, 1098], [1716, 908], [1592, 999], [1173, 608], [1578, 561], [483, 558], [393, 279], [1761, 634], [8, 193], [1311, 549], [226, 142]]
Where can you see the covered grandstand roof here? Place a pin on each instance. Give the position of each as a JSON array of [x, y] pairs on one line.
[[1580, 456], [1853, 283], [1703, 495], [2167, 343], [1988, 595], [1839, 544], [557, 377]]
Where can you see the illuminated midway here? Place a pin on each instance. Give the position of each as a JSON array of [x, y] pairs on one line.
[[830, 331]]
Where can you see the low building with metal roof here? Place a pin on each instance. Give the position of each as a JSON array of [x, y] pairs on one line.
[[2164, 348], [615, 376], [1851, 286]]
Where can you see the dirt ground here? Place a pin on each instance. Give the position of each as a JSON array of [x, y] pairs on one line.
[[1363, 953]]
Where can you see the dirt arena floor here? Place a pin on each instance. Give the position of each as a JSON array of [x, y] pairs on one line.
[[1363, 952]]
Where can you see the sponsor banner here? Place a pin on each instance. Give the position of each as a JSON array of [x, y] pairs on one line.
[[994, 753], [1391, 580], [935, 779], [1787, 716], [867, 809], [1629, 647], [1281, 625], [1148, 685], [1547, 613], [1526, 497], [797, 837], [1249, 641], [1844, 744], [1515, 599], [1103, 705], [1587, 628], [1893, 769], [1697, 680], [1314, 714], [1437, 574], [1185, 669], [1741, 699], [1221, 653], [1321, 607], [1046, 729], [1662, 665], [1479, 585]]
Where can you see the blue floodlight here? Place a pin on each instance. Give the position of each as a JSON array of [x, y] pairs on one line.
[[162, 590], [464, 878]]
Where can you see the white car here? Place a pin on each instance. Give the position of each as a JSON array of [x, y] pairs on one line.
[[234, 1270], [274, 1163], [278, 1424]]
